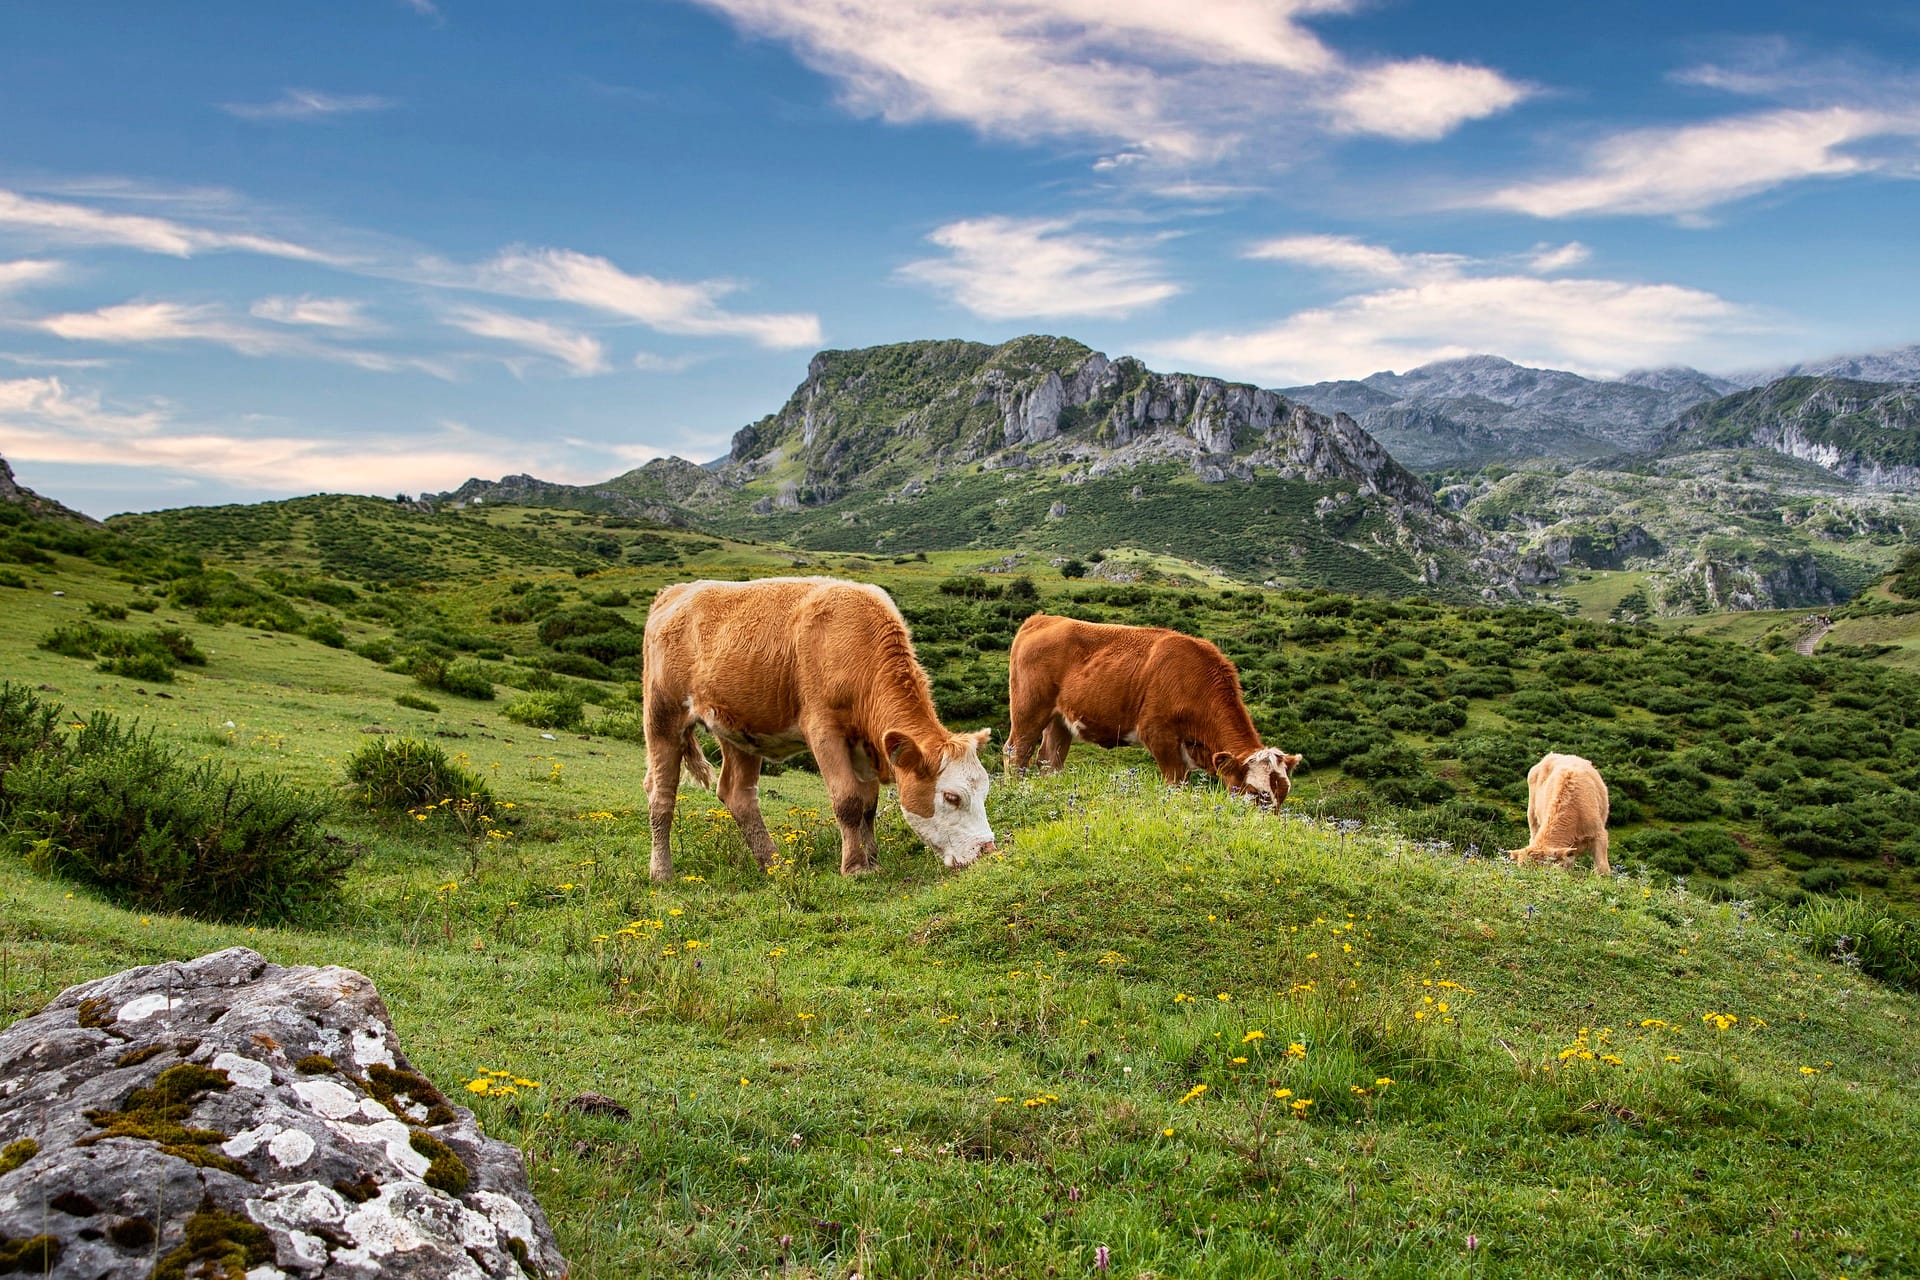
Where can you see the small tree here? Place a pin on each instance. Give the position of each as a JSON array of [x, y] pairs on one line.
[[1073, 569]]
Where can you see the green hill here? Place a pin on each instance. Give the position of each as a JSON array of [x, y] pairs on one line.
[[1498, 1070]]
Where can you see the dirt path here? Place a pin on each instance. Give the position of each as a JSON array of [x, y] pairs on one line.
[[1807, 643]]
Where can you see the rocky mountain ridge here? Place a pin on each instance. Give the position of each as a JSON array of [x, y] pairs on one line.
[[1478, 409], [1867, 433], [15, 494]]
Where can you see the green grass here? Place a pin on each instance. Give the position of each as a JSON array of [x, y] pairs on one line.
[[825, 1065], [876, 1021]]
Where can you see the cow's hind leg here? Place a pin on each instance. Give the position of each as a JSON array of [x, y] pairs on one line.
[[740, 792], [667, 736], [1600, 867], [1055, 743]]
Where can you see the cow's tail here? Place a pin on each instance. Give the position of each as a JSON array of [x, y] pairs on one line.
[[695, 760]]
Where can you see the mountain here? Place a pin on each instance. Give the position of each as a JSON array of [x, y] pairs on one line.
[[1480, 409], [1867, 433], [1044, 443], [1900, 364], [14, 494]]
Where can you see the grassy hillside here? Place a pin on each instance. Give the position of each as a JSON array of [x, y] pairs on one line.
[[1005, 1070]]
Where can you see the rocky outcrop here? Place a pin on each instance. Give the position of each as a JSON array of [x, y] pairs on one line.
[[15, 494], [232, 1113], [1867, 433]]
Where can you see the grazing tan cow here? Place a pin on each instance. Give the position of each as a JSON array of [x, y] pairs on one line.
[[773, 666], [1176, 695], [1566, 813]]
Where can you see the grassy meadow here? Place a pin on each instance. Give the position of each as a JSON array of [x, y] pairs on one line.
[[1159, 1034]]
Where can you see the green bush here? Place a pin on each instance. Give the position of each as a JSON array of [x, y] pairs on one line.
[[397, 774], [554, 709], [463, 677], [380, 651], [149, 667], [611, 599], [416, 703], [1863, 935], [138, 655], [327, 632], [111, 612], [8, 578], [110, 806]]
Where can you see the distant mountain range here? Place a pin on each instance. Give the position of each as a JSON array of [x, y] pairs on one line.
[[1900, 364], [1481, 409]]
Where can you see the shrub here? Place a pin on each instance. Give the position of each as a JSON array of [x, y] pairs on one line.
[[145, 604], [555, 709], [613, 599], [8, 578], [397, 774], [328, 633], [110, 806], [380, 651], [627, 724], [1073, 569], [102, 609], [416, 703], [1863, 935], [463, 677], [150, 667]]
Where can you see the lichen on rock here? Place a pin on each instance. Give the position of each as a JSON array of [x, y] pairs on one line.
[[227, 1116]]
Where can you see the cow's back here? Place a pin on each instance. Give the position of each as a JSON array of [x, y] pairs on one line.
[[1570, 797], [757, 652]]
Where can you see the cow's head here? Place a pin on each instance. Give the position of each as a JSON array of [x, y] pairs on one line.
[[1264, 776], [943, 793]]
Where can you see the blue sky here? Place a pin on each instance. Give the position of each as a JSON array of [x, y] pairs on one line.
[[382, 245]]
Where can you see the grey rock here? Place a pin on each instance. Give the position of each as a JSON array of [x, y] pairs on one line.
[[292, 1107]]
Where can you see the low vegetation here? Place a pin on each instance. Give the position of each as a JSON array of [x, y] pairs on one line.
[[1158, 1032]]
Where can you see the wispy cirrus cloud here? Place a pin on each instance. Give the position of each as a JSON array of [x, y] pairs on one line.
[[64, 222], [144, 323], [1426, 307], [322, 313], [1688, 169], [581, 353], [308, 105], [24, 273], [1166, 79], [1019, 268], [668, 306]]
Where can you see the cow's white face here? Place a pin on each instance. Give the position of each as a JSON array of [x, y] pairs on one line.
[[1264, 777], [948, 808]]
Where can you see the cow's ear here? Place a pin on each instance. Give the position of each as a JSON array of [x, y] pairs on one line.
[[1232, 771], [980, 737], [900, 749], [1293, 761]]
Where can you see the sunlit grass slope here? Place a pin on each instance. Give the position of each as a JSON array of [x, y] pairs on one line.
[[1216, 1043]]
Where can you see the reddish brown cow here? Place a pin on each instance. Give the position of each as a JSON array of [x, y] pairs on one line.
[[1176, 695], [773, 666]]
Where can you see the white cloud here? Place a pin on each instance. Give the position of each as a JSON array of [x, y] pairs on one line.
[[563, 275], [1421, 99], [24, 273], [1549, 258], [43, 420], [323, 313], [653, 362], [1013, 268], [1348, 256], [1689, 169], [62, 222], [1466, 307], [138, 323], [308, 104], [578, 351], [1169, 79]]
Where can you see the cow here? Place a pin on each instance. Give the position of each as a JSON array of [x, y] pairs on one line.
[[1566, 813], [1174, 694], [780, 664]]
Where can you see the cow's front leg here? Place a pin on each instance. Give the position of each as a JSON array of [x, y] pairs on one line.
[[1165, 748], [665, 745], [853, 801], [740, 792]]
